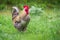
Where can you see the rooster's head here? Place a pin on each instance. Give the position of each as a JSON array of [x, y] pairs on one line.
[[26, 8]]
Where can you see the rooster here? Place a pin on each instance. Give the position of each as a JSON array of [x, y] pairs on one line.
[[20, 20]]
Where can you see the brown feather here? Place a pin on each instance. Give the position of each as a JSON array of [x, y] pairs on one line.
[[21, 21]]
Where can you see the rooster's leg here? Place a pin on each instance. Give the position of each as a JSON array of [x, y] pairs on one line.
[[24, 28]]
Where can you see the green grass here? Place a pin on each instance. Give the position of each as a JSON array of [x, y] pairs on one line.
[[46, 26]]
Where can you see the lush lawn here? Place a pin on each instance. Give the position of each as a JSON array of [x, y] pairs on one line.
[[45, 26]]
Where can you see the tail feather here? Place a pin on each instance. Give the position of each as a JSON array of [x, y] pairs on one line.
[[15, 12], [15, 9]]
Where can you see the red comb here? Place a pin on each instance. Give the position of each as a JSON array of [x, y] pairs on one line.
[[26, 6]]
